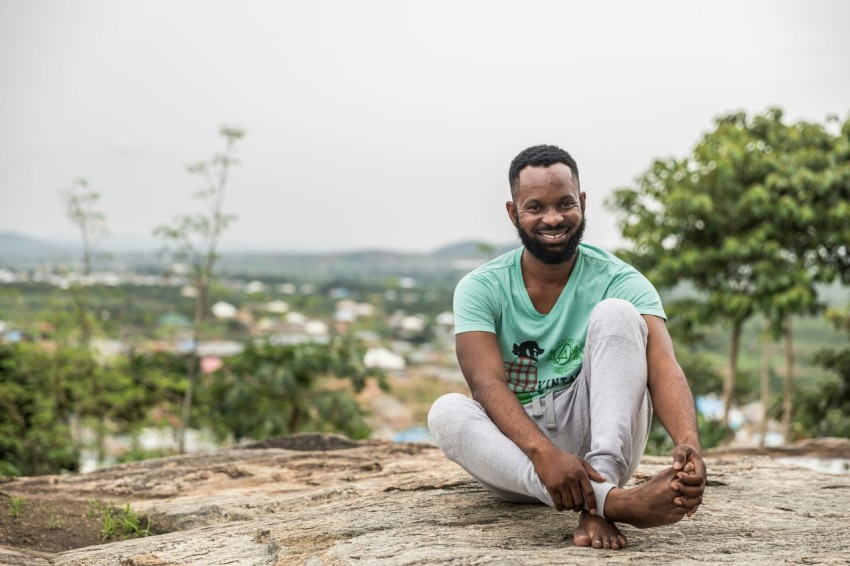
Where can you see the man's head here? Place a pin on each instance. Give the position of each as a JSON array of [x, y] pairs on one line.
[[540, 156], [547, 206]]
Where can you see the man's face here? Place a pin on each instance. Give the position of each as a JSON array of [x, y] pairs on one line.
[[548, 212]]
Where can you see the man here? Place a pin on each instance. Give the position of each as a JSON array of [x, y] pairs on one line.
[[566, 353]]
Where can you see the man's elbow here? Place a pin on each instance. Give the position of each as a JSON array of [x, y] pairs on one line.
[[484, 389]]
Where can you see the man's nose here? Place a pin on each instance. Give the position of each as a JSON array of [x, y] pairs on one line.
[[552, 217]]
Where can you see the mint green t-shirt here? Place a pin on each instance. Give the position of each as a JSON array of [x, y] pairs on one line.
[[543, 352]]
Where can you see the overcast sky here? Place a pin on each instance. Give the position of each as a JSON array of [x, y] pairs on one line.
[[381, 124]]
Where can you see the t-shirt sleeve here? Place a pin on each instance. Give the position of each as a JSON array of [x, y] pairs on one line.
[[634, 287], [474, 306]]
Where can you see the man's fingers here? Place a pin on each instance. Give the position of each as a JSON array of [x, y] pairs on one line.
[[556, 500], [681, 455], [568, 500], [688, 502], [689, 490], [589, 497], [592, 473], [699, 467], [690, 479]]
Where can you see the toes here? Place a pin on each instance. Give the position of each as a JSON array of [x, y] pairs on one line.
[[597, 542], [581, 538]]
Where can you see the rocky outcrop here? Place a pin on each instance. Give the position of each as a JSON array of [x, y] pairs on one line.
[[329, 501]]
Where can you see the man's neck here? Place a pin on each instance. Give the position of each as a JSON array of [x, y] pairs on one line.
[[535, 272]]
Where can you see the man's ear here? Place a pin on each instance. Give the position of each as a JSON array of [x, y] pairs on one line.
[[510, 206]]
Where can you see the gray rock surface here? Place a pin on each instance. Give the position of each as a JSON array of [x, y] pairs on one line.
[[395, 504]]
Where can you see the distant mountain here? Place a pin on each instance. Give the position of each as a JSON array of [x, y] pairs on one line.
[[21, 251], [472, 250], [18, 245]]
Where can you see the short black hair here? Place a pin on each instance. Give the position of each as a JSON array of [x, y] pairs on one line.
[[540, 156]]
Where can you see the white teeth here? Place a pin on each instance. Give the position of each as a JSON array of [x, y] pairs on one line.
[[552, 236]]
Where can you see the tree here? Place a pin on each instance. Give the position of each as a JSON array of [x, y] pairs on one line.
[[47, 393], [34, 436], [79, 202], [747, 219], [825, 412], [194, 239], [806, 187], [270, 390]]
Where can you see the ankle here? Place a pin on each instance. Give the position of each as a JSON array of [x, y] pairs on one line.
[[616, 505]]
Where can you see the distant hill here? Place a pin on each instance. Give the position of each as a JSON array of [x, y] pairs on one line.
[[18, 245], [21, 251], [472, 250]]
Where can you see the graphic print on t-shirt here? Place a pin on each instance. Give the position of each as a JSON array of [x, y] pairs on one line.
[[522, 372], [566, 357]]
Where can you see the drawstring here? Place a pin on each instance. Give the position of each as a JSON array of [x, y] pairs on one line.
[[537, 410], [550, 411]]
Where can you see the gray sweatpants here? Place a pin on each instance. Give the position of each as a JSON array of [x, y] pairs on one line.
[[603, 417]]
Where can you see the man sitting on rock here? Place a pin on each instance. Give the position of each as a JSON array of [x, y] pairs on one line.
[[566, 353]]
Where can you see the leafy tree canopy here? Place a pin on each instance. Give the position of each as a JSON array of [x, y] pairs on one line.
[[271, 390], [754, 217]]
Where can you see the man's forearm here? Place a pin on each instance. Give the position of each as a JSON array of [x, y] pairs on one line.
[[505, 410], [673, 404], [671, 396]]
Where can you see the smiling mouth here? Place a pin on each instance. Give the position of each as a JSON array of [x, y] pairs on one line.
[[553, 237]]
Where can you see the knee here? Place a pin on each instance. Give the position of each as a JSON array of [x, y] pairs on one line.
[[617, 316], [443, 409], [444, 412]]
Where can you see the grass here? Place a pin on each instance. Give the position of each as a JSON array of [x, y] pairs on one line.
[[16, 506], [118, 523]]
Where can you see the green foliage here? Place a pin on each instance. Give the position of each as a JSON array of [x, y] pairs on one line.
[[272, 390], [826, 411], [754, 219], [194, 239], [79, 204], [34, 391], [118, 523], [711, 433], [703, 376], [157, 380], [42, 391], [16, 506]]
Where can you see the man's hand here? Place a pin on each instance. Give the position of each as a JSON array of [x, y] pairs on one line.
[[567, 478], [690, 477]]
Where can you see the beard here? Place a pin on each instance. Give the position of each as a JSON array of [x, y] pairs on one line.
[[548, 254]]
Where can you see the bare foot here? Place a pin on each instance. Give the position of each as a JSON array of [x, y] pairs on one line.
[[597, 532], [651, 504]]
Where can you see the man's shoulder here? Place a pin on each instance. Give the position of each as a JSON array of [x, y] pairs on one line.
[[599, 258], [497, 267]]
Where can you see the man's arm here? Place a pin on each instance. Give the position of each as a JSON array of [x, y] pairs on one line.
[[566, 477], [674, 405]]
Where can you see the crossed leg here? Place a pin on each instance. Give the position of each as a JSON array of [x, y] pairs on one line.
[[603, 417]]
